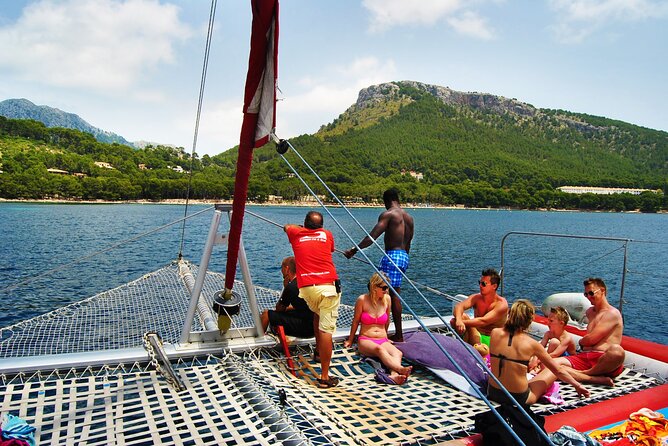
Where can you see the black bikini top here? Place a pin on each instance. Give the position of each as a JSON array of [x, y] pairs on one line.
[[503, 358]]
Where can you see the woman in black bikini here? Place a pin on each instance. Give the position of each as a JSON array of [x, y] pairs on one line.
[[511, 348]]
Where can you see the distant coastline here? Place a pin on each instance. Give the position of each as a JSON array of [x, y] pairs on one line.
[[182, 202], [411, 206]]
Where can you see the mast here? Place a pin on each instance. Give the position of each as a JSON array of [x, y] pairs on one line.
[[259, 121]]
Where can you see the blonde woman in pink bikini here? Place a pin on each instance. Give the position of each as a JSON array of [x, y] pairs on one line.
[[372, 314]]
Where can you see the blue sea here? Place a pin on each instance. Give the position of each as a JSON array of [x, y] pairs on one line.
[[55, 254]]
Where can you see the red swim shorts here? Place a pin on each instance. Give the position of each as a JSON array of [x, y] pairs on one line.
[[587, 360]]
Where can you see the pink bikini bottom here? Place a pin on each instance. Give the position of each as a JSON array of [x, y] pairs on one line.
[[374, 340]]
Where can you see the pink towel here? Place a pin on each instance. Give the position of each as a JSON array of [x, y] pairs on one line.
[[552, 394]]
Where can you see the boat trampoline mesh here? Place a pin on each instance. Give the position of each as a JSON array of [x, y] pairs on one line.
[[237, 399], [245, 398], [119, 317], [218, 406]]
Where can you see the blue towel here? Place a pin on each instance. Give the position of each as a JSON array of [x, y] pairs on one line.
[[15, 428]]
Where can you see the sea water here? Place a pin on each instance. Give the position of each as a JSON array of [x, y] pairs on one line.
[[55, 254]]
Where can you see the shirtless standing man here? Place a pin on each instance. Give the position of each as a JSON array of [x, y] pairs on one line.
[[489, 311], [602, 353], [398, 227]]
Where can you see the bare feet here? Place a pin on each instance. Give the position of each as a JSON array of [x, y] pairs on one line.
[[406, 371], [398, 378], [591, 379], [603, 380]]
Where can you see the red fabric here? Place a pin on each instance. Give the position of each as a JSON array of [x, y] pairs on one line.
[[587, 360], [313, 255], [602, 413], [260, 93], [11, 441], [286, 349], [259, 115]]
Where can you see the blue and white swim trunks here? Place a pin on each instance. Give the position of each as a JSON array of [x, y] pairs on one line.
[[400, 258]]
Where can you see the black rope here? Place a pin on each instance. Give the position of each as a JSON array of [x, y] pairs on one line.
[[205, 64]]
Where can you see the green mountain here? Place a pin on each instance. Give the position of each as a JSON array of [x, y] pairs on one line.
[[53, 117], [434, 144], [469, 148]]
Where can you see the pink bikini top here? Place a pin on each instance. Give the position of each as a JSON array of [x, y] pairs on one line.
[[367, 319]]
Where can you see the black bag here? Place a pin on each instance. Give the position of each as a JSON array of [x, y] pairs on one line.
[[494, 433]]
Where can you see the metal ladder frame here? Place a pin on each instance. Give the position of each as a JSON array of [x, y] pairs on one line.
[[212, 333]]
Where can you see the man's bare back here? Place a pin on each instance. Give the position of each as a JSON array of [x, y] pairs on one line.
[[398, 229]]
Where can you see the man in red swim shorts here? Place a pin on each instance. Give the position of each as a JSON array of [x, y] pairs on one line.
[[602, 353]]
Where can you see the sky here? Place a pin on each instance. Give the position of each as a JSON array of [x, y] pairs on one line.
[[134, 67]]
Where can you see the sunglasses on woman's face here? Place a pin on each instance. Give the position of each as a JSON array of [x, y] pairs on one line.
[[384, 287]]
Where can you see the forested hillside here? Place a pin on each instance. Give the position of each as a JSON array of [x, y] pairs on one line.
[[436, 145], [28, 149], [473, 149]]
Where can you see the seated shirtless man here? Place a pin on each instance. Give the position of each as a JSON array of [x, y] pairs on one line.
[[602, 353], [489, 311]]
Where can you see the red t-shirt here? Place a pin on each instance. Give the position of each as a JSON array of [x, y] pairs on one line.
[[313, 255]]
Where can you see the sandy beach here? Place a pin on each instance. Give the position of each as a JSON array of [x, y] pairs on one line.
[[182, 202]]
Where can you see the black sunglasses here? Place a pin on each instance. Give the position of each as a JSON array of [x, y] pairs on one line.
[[591, 293], [482, 282], [384, 287]]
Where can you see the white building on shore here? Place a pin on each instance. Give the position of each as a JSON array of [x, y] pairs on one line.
[[602, 190]]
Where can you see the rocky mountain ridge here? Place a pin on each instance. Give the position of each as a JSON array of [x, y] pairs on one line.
[[54, 117], [484, 102]]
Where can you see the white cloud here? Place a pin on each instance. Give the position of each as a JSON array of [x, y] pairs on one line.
[[94, 44], [389, 13], [303, 106], [471, 24], [325, 99], [386, 14], [365, 71], [220, 127], [577, 19]]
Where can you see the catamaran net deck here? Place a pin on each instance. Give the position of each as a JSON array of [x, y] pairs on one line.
[[248, 398], [253, 399], [118, 318]]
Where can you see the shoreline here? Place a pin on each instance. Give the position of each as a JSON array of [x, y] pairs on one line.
[[181, 202], [411, 206]]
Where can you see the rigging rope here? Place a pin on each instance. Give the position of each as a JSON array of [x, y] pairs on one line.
[[101, 251], [428, 288], [281, 149], [205, 64]]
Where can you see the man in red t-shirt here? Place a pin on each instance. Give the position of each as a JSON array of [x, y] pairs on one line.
[[318, 284]]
